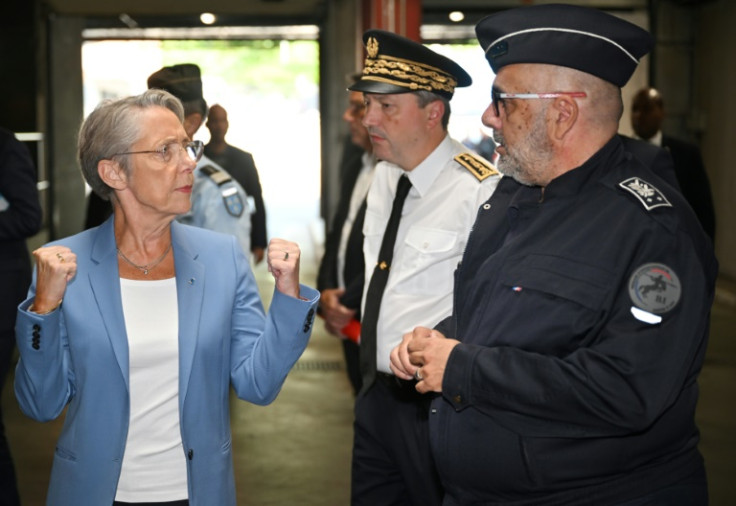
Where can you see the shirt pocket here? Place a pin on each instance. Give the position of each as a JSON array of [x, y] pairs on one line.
[[561, 297], [428, 261]]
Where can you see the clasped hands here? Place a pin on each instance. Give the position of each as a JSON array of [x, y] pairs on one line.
[[426, 351]]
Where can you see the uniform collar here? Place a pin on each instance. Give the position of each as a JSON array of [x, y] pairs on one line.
[[572, 182], [424, 174]]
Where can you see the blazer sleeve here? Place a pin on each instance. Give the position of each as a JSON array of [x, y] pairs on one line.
[[263, 350], [44, 380]]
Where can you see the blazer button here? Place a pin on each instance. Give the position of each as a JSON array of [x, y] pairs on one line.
[[36, 327], [190, 454]]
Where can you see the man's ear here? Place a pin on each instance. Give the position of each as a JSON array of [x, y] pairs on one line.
[[435, 111], [112, 174], [565, 111]]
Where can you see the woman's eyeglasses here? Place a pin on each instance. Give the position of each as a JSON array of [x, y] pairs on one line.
[[167, 152]]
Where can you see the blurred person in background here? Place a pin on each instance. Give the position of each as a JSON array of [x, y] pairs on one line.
[[341, 271], [241, 166], [647, 116]]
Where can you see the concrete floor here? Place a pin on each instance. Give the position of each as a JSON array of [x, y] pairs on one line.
[[297, 450]]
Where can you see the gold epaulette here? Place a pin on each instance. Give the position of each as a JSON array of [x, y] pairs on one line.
[[477, 165]]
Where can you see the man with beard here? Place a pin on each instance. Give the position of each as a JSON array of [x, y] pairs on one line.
[[567, 372]]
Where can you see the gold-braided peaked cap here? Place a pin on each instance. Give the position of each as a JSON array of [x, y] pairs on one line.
[[395, 64]]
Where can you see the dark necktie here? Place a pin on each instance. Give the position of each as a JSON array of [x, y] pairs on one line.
[[378, 284]]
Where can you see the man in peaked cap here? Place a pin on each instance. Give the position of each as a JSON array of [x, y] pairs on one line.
[[411, 248], [218, 201], [567, 372]]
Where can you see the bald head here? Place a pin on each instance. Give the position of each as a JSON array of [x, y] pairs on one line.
[[217, 123], [647, 113]]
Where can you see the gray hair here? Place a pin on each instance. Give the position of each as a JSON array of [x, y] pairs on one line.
[[603, 102], [113, 127], [425, 98]]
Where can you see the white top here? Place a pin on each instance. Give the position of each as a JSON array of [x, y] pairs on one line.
[[435, 223], [154, 465], [657, 139], [360, 190]]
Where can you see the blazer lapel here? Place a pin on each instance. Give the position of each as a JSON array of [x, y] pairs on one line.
[[104, 279], [190, 293]]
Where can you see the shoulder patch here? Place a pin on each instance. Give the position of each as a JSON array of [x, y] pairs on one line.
[[649, 196], [233, 201], [477, 165], [655, 288], [218, 176]]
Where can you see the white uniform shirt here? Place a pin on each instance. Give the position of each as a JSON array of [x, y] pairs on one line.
[[435, 223]]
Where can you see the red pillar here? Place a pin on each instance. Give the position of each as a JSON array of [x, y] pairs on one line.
[[399, 16]]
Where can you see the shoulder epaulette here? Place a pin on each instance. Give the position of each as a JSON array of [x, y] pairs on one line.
[[646, 193], [230, 195], [477, 165], [220, 177]]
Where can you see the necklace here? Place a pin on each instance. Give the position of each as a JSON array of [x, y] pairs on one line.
[[147, 267]]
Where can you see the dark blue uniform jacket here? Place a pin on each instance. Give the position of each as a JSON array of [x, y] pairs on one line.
[[583, 315]]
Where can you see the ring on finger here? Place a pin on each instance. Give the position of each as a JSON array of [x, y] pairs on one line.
[[61, 258], [418, 375], [286, 255]]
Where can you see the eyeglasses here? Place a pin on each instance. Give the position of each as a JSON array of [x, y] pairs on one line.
[[168, 151], [497, 97]]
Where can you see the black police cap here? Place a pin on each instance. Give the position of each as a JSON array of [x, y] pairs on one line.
[[395, 64], [582, 38], [184, 81]]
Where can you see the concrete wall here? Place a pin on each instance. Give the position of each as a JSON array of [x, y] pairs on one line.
[[66, 105]]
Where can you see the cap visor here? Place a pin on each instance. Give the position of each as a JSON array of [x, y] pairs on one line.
[[368, 86]]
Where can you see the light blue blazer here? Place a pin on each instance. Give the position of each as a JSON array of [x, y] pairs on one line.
[[77, 356]]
